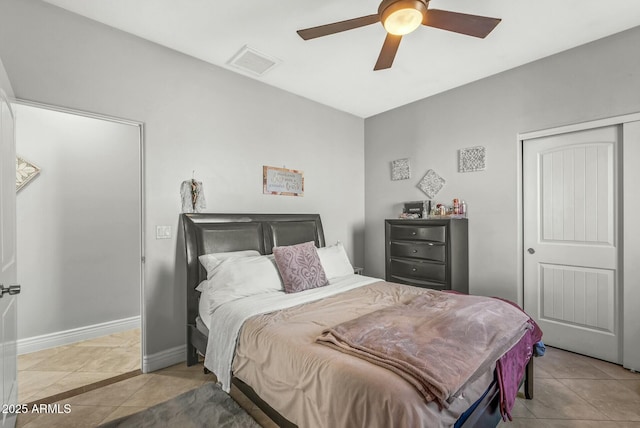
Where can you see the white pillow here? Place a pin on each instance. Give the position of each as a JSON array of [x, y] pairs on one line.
[[211, 261], [335, 261], [238, 277]]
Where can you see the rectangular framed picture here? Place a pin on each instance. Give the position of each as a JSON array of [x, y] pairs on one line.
[[282, 181]]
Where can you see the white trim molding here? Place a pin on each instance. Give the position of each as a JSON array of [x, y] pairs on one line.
[[598, 123], [67, 337], [163, 359], [631, 247]]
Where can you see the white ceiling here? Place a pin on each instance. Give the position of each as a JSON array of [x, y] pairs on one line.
[[337, 70]]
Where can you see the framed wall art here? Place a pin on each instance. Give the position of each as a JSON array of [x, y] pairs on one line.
[[400, 169], [282, 181], [431, 184], [473, 159]]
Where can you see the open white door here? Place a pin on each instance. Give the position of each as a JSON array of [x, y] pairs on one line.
[[571, 274], [8, 270]]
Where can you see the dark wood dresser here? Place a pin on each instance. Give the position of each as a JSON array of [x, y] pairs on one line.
[[428, 253]]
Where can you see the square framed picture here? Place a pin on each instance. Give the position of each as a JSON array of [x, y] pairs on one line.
[[400, 169], [473, 159], [431, 184]]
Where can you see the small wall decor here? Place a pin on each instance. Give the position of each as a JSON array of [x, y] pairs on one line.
[[192, 196], [25, 172], [472, 159], [431, 184], [400, 169], [282, 181]]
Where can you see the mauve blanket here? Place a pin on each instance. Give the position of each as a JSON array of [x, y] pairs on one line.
[[510, 367], [437, 341]]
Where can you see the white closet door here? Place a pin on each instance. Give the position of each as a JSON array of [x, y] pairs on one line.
[[571, 240]]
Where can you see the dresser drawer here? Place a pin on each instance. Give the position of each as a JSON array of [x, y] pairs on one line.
[[419, 283], [418, 270], [417, 249], [423, 233]]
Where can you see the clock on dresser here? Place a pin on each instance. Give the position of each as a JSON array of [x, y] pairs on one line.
[[431, 253]]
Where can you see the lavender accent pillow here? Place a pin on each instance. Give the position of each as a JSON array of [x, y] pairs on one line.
[[300, 267]]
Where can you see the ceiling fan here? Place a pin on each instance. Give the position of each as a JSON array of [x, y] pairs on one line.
[[400, 17]]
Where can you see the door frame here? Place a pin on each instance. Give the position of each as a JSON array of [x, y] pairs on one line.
[[141, 220], [630, 151], [9, 307]]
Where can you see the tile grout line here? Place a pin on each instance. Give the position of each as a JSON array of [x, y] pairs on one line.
[[85, 388], [108, 418], [118, 341]]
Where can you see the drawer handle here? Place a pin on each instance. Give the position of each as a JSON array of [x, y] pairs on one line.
[[431, 244], [414, 270], [413, 233], [414, 251]]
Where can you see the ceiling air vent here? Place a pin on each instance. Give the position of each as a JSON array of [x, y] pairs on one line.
[[252, 62]]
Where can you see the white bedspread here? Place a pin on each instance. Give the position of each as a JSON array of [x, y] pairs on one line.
[[226, 321]]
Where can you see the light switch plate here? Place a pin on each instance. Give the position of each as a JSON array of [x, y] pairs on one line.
[[163, 232]]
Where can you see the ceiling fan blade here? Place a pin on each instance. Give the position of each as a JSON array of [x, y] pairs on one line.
[[388, 52], [471, 25], [337, 27]]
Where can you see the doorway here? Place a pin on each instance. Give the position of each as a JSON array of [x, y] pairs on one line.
[[80, 248]]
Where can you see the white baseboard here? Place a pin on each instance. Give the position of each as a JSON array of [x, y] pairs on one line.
[[166, 358], [60, 338]]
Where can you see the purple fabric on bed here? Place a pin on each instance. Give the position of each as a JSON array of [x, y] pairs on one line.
[[511, 366], [300, 267]]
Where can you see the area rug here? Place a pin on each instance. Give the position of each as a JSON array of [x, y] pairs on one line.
[[207, 406]]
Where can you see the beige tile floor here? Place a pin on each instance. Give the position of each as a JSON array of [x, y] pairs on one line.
[[129, 396], [570, 391], [52, 371]]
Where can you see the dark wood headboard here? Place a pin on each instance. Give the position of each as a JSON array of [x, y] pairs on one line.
[[215, 233]]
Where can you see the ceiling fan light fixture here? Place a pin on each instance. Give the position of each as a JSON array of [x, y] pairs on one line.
[[402, 16]]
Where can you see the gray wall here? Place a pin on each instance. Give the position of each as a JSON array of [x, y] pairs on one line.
[[78, 222], [598, 80], [5, 84], [197, 117]]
